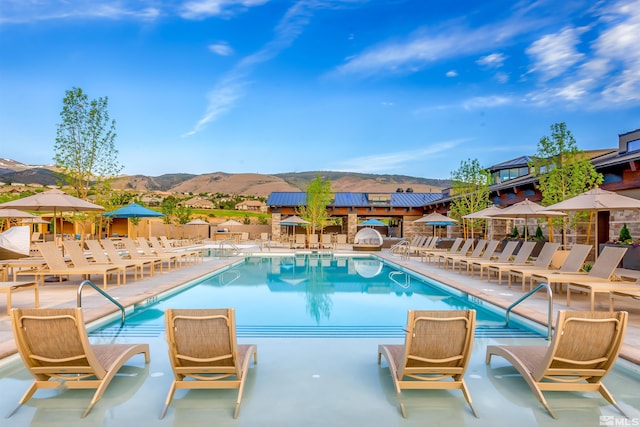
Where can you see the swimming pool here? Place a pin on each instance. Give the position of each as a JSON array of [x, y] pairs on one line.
[[316, 295]]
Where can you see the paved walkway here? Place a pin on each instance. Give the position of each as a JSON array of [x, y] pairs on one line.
[[95, 306]]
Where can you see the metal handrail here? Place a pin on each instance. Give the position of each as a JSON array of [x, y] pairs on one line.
[[407, 283], [231, 244], [106, 295], [402, 248], [549, 299], [221, 277]]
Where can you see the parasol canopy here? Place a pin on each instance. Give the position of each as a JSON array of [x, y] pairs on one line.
[[133, 210], [294, 220], [372, 223], [52, 201], [229, 222], [527, 209], [436, 218]]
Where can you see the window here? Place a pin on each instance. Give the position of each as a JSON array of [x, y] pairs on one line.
[[633, 145]]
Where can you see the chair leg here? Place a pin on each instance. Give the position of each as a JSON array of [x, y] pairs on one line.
[[467, 396], [27, 395], [167, 401], [605, 393]]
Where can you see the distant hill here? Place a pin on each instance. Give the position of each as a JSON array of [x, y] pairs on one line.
[[240, 183]]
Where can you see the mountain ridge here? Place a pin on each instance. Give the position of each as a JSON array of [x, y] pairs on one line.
[[247, 184]]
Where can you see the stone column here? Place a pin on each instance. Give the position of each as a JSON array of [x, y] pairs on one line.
[[352, 226], [275, 226]]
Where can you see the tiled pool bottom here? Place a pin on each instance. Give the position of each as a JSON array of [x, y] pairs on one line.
[[317, 382]]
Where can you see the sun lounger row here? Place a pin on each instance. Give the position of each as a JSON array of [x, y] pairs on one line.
[[204, 353], [555, 267], [105, 259]]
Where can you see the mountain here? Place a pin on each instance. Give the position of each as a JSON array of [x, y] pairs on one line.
[[246, 184]]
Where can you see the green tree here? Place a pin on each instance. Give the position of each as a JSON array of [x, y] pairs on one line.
[[168, 208], [470, 190], [563, 171], [317, 199], [84, 149]]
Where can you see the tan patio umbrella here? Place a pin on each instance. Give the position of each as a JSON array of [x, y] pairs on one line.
[[527, 209], [435, 218], [485, 213], [9, 213], [597, 200], [52, 201]]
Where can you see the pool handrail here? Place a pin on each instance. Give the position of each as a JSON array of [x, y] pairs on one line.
[[549, 300], [106, 295]]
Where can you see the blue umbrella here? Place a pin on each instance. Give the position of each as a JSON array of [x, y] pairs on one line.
[[373, 223], [133, 210]]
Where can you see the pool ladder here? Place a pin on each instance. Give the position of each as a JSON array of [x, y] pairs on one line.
[[221, 277], [550, 303], [234, 249], [401, 248], [407, 279], [103, 293]]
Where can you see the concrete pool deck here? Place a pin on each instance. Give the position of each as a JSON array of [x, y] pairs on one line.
[[315, 381]]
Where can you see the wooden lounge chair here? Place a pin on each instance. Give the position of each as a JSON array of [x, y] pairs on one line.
[[619, 294], [573, 262], [504, 257], [453, 259], [54, 346], [582, 352], [440, 257], [432, 253], [341, 241], [487, 254], [204, 354], [543, 259], [604, 287], [112, 252], [132, 250], [326, 241], [314, 243], [300, 241], [79, 259], [57, 266], [435, 354], [99, 256], [148, 251], [602, 270], [185, 253]]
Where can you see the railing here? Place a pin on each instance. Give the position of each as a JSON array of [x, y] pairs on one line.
[[222, 277], [549, 300], [407, 279], [97, 288], [234, 248], [402, 248]]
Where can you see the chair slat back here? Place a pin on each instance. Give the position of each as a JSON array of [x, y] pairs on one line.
[[51, 255], [607, 262], [546, 254]]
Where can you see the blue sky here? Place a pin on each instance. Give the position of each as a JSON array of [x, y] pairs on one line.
[[380, 86]]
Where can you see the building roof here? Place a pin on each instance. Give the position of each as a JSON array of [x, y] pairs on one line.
[[351, 199]]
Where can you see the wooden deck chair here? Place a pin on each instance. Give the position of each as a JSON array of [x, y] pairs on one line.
[[435, 354], [452, 259], [185, 253], [314, 243], [57, 266], [505, 256], [100, 257], [573, 263], [114, 255], [459, 247], [487, 254], [170, 258], [341, 241], [80, 260], [204, 353], [326, 241], [603, 269], [619, 294], [522, 258], [582, 352], [54, 346], [133, 252], [300, 241], [432, 254], [604, 287]]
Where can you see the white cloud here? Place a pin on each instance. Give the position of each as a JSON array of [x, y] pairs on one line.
[[393, 161], [427, 46], [201, 9], [494, 60], [486, 102], [221, 48], [555, 54], [452, 73], [19, 12]]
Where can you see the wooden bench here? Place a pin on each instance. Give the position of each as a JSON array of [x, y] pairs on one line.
[[10, 287]]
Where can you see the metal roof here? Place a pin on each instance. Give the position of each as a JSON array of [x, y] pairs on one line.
[[349, 199]]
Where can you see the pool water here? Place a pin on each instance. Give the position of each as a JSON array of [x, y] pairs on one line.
[[315, 295]]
